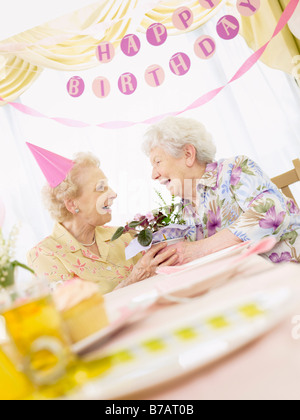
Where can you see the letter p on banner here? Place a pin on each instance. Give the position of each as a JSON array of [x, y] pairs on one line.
[[183, 18]]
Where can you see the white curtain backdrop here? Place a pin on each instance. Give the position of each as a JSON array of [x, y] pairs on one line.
[[257, 116]]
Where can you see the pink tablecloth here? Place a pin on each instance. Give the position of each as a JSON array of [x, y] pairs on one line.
[[268, 368]]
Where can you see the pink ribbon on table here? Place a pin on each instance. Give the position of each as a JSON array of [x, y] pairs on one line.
[[202, 100]]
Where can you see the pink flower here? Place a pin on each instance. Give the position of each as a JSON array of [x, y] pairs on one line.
[[272, 219], [80, 266], [213, 221], [210, 167], [285, 257], [293, 207], [138, 217], [150, 216], [236, 175]]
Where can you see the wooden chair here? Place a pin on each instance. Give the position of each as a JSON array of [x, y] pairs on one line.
[[283, 181]]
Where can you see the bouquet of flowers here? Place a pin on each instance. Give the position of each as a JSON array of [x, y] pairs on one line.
[[161, 224], [7, 262]]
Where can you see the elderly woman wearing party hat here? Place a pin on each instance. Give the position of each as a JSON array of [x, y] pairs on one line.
[[229, 201], [79, 198]]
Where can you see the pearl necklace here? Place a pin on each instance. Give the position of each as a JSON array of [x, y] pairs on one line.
[[88, 245]]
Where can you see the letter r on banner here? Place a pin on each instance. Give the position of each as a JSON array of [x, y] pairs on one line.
[[127, 83]]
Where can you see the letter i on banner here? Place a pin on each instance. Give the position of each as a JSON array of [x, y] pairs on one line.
[[101, 87]]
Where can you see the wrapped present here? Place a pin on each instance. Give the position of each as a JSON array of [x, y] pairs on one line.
[[173, 231]]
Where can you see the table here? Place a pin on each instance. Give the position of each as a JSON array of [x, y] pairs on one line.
[[268, 368]]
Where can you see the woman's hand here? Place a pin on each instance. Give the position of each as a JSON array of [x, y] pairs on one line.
[[189, 251], [147, 265]]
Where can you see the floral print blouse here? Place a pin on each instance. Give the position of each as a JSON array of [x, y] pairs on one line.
[[60, 257], [236, 194]]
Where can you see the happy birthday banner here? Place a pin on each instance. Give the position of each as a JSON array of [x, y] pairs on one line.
[[180, 63]]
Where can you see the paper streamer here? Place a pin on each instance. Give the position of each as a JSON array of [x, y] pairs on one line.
[[202, 100]]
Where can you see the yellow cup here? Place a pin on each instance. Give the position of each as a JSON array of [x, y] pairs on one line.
[[34, 326], [13, 384]]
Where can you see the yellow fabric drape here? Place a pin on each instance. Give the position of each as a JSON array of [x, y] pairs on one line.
[[164, 11], [21, 68], [258, 29], [69, 43]]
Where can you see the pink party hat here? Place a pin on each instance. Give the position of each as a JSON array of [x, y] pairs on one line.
[[54, 167]]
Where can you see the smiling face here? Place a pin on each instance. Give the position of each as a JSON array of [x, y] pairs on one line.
[[95, 197], [169, 171], [179, 175]]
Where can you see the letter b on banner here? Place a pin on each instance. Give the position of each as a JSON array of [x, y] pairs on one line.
[[75, 86]]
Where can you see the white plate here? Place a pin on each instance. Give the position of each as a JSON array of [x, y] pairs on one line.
[[173, 355]]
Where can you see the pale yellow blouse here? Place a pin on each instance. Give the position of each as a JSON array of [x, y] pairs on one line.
[[61, 257]]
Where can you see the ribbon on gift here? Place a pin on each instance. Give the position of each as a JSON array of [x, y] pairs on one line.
[[204, 99]]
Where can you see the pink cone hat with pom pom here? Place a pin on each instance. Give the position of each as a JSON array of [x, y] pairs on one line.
[[54, 167]]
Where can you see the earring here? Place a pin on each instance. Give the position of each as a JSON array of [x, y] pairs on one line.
[[77, 211]]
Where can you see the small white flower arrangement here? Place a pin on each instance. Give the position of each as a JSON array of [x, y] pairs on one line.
[[7, 262]]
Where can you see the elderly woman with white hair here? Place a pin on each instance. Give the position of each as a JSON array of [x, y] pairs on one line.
[[229, 201], [79, 246]]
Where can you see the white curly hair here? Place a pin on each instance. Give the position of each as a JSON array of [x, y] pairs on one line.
[[173, 133]]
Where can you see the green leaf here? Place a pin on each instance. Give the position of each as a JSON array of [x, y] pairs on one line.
[[248, 172], [18, 264], [264, 207], [290, 236], [145, 237], [134, 224], [119, 232]]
